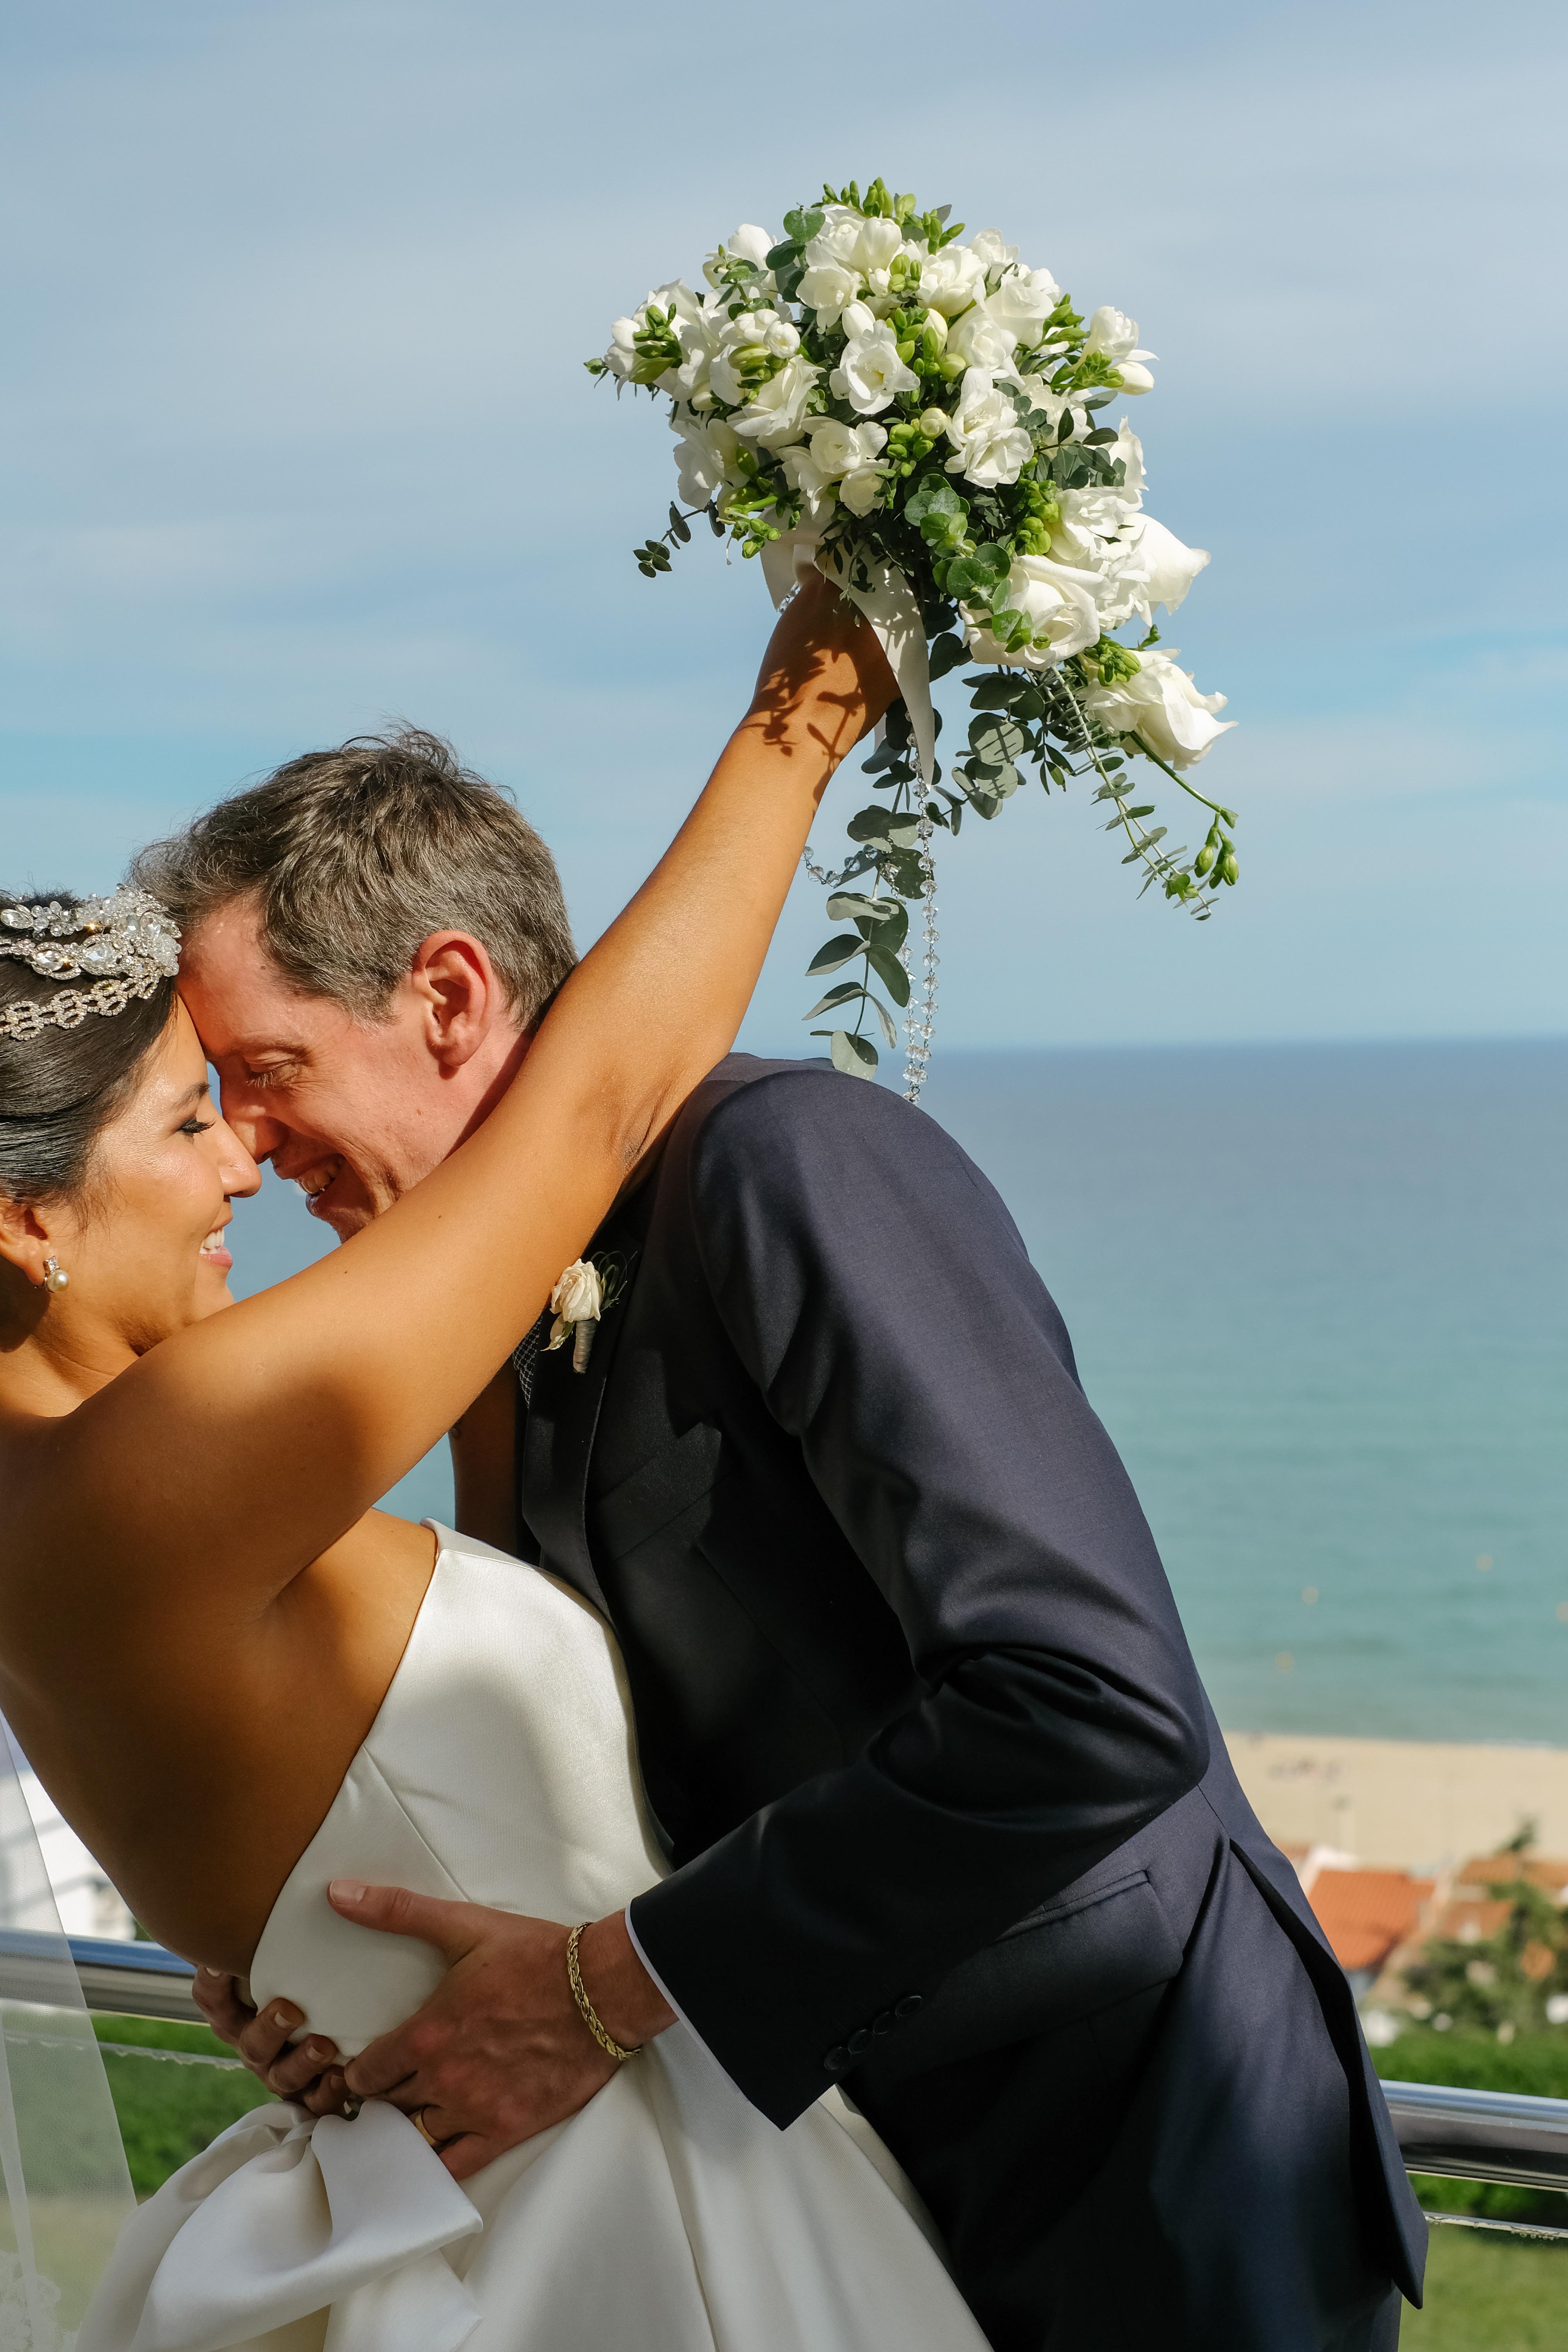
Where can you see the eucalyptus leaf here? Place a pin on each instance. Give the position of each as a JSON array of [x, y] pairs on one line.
[[946, 653], [856, 1056], [886, 1019], [891, 973], [834, 952], [848, 992]]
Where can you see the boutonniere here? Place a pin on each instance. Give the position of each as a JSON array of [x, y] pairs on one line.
[[584, 1295]]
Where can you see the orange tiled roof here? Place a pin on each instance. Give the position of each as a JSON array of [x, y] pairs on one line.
[[1503, 1869], [1365, 1913], [1470, 1922]]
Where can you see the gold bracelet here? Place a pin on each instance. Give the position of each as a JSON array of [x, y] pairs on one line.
[[585, 2009]]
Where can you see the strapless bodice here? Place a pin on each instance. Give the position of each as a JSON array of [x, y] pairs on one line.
[[501, 1770]]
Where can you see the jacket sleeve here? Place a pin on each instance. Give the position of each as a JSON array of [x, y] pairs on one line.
[[879, 1296]]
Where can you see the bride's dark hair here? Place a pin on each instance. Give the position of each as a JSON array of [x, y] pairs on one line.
[[59, 1088]]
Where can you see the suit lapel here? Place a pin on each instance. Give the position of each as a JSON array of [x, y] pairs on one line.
[[558, 1434]]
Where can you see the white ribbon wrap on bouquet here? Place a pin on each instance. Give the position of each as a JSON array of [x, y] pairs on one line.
[[889, 604]]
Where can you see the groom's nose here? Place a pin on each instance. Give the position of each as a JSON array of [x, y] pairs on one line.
[[260, 1131]]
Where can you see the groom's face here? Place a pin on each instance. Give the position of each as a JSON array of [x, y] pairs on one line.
[[353, 1112]]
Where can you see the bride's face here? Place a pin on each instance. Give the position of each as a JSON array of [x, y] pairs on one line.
[[146, 1250]]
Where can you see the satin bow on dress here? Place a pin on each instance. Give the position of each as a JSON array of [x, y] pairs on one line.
[[668, 2214]]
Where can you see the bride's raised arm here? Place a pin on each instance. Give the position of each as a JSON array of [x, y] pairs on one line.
[[268, 1429]]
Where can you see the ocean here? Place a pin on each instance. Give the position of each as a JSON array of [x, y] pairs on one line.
[[1319, 1296]]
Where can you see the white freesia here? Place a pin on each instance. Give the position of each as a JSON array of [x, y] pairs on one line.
[[870, 374], [827, 288], [775, 415], [990, 252], [841, 449], [753, 244], [1162, 708], [951, 279], [677, 302], [862, 489], [1114, 335], [1059, 602], [705, 458], [980, 338], [854, 241], [990, 445], [1158, 568], [751, 340], [1023, 301]]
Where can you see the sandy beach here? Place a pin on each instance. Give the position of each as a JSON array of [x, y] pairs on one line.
[[1417, 1805]]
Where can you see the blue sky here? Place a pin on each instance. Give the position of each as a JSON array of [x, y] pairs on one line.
[[295, 436]]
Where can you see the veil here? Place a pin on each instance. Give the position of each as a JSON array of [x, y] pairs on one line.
[[65, 2191]]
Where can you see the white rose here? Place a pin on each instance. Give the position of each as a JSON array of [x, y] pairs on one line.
[[871, 374], [1023, 303], [841, 449], [951, 279], [1059, 602], [704, 458], [991, 447], [827, 288], [989, 251], [1163, 706], [861, 490], [753, 244], [1113, 333], [577, 1297], [979, 339], [776, 412]]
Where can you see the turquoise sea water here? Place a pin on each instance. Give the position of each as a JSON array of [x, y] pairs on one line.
[[1320, 1297]]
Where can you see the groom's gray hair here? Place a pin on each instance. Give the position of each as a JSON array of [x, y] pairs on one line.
[[354, 856]]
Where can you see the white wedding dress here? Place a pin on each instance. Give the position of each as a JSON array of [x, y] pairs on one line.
[[668, 2215]]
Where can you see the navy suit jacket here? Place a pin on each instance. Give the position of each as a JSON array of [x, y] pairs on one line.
[[949, 1818]]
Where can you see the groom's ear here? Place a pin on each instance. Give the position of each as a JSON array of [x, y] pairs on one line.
[[459, 995]]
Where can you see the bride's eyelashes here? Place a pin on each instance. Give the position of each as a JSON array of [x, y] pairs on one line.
[[194, 1127]]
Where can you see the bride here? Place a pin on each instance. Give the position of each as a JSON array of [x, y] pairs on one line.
[[198, 1603]]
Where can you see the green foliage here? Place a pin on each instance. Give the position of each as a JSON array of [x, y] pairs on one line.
[[169, 2112]]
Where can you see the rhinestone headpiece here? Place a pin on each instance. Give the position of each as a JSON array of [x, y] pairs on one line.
[[128, 944]]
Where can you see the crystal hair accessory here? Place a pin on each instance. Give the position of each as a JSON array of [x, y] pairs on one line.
[[126, 944]]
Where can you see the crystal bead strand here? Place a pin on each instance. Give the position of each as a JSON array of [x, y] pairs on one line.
[[921, 1020]]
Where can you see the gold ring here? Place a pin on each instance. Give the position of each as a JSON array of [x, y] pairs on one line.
[[428, 2137]]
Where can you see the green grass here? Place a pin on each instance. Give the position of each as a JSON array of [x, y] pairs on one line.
[[169, 2113], [1491, 2293]]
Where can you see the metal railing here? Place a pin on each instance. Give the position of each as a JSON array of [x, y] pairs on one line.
[[1456, 2134]]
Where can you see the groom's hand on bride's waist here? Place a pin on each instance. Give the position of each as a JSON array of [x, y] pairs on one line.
[[501, 2049]]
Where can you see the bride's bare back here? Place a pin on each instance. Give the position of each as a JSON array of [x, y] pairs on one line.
[[196, 1602]]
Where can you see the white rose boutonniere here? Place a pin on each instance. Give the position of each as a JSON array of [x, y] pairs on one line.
[[582, 1295]]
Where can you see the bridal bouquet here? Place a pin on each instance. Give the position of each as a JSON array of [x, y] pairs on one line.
[[920, 418]]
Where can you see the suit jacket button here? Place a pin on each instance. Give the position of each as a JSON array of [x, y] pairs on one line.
[[836, 2061], [883, 2024], [907, 2006], [858, 2041]]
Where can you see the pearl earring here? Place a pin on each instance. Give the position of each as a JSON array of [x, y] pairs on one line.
[[56, 1278]]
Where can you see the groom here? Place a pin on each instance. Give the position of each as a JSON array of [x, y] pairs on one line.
[[950, 1822]]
